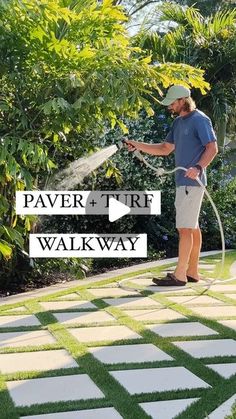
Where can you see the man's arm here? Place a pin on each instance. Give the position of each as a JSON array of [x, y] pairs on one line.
[[211, 149], [162, 149], [208, 155]]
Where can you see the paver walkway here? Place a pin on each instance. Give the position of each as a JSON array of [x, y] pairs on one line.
[[91, 350]]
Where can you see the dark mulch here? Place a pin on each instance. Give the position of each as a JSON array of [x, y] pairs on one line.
[[16, 287]]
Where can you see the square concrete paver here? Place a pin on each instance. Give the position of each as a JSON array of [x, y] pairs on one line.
[[111, 292], [153, 315], [65, 305], [223, 288], [195, 300], [170, 290], [182, 329], [129, 353], [101, 333], [206, 266], [223, 410], [157, 379], [231, 296], [53, 389], [142, 281], [17, 309], [36, 361], [147, 282], [214, 312], [209, 348], [104, 413], [167, 409], [84, 318], [34, 338], [18, 321], [225, 370], [68, 297], [228, 323], [132, 302]]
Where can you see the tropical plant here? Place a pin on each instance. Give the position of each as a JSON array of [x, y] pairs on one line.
[[209, 43], [68, 69], [208, 7], [125, 172]]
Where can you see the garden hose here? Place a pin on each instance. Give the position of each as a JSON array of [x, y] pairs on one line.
[[160, 172]]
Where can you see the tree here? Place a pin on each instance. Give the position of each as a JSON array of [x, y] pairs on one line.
[[208, 7], [68, 71], [208, 43]]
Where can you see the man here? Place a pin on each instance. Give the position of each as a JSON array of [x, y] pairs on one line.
[[194, 142]]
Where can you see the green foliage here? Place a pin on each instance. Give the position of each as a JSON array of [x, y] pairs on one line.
[[233, 413], [127, 173], [135, 8], [208, 7], [161, 231], [222, 188], [68, 72], [19, 162], [70, 266], [203, 42]]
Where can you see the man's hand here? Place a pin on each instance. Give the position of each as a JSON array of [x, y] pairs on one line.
[[162, 149], [131, 145], [192, 173]]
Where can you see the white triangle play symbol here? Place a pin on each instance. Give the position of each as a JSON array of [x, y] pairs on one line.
[[117, 210]]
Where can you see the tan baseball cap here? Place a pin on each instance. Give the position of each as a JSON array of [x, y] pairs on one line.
[[175, 92]]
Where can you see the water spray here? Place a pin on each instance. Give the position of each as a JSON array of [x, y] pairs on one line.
[[74, 174]]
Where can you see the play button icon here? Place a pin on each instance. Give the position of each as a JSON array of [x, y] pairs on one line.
[[117, 210]]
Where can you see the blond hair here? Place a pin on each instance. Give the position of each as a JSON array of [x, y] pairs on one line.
[[189, 104]]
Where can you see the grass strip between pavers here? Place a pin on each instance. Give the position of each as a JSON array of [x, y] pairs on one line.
[[115, 394], [7, 408], [210, 400], [113, 391]]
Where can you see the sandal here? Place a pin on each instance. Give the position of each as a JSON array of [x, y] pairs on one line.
[[169, 281], [191, 279]]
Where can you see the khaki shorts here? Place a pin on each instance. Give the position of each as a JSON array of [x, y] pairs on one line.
[[188, 201]]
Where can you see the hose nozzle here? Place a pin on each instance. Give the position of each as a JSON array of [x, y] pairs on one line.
[[120, 144]]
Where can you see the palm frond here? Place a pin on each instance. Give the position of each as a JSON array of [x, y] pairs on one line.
[[223, 22], [150, 42], [224, 19], [174, 43], [194, 19], [173, 12]]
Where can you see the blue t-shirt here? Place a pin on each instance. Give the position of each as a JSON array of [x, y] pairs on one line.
[[190, 134]]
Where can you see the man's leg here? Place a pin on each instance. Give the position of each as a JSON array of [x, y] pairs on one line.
[[187, 202], [185, 249], [195, 254]]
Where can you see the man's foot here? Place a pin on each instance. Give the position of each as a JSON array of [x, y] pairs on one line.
[[169, 281], [191, 279], [193, 276], [180, 274]]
